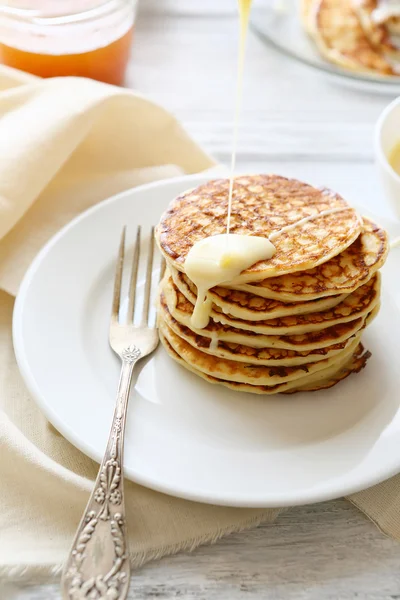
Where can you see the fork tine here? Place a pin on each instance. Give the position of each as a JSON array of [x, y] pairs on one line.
[[149, 272], [118, 277], [134, 274]]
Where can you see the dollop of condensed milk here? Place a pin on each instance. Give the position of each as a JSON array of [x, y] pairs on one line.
[[219, 259]]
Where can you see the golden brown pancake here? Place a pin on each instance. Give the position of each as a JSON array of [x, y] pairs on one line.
[[262, 205], [341, 39], [305, 14], [323, 381], [341, 274], [393, 26], [386, 18], [377, 33], [242, 372], [244, 305], [181, 309], [358, 304], [242, 353], [355, 305], [280, 380]]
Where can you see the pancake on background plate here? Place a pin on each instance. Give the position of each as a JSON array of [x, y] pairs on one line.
[[346, 33], [290, 323]]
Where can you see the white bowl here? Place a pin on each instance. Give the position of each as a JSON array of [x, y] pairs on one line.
[[387, 135]]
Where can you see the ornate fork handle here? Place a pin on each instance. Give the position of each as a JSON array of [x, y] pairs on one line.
[[98, 563]]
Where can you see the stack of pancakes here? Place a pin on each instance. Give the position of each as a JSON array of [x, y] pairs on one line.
[[359, 35], [290, 323]]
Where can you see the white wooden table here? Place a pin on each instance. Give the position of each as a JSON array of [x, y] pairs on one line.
[[296, 123]]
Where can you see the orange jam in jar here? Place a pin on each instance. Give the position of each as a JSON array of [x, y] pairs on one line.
[[84, 38]]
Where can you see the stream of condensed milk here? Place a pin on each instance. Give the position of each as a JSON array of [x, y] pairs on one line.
[[244, 16], [219, 259]]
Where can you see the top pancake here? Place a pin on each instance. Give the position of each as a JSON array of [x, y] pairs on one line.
[[262, 204], [342, 274]]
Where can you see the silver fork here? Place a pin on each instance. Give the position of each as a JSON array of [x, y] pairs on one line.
[[98, 563]]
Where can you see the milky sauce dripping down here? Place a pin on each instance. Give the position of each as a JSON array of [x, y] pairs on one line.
[[219, 259], [305, 220], [244, 14], [214, 341]]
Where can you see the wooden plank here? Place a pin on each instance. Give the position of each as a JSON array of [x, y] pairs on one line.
[[322, 552]]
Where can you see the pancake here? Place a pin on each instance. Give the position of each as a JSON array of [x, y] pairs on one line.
[[376, 32], [305, 14], [242, 353], [181, 309], [241, 372], [358, 304], [259, 380], [341, 39], [340, 275], [355, 305], [323, 381], [393, 25], [383, 13], [262, 205], [245, 305]]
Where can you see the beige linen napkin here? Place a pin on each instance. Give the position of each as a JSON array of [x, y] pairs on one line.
[[66, 144]]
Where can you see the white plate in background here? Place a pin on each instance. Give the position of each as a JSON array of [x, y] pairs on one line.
[[278, 23]]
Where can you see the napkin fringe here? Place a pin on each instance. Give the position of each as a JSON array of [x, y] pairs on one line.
[[36, 574], [29, 574], [139, 559]]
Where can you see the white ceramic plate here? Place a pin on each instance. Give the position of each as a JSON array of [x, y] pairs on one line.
[[185, 436]]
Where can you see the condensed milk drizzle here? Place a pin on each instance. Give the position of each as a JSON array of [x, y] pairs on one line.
[[219, 259], [244, 15], [305, 220], [213, 341]]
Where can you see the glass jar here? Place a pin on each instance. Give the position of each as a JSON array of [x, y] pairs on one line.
[[85, 38]]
